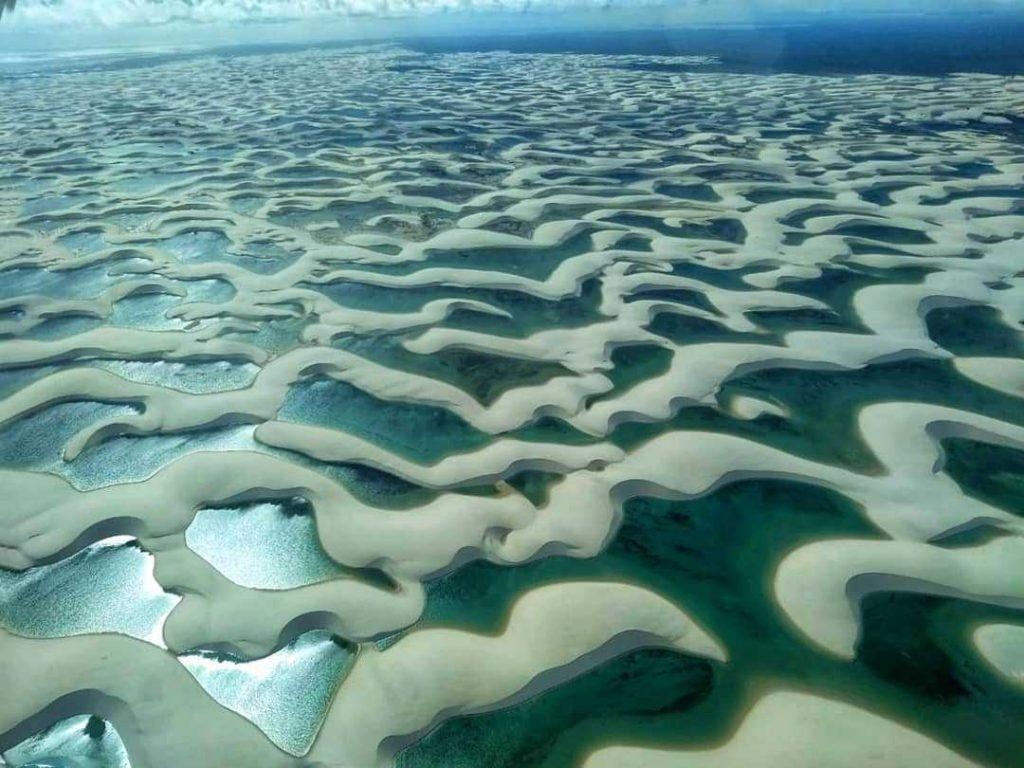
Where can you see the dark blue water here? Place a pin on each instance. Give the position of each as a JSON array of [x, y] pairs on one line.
[[922, 46]]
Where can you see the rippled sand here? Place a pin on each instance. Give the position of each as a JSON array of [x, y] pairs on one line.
[[362, 407]]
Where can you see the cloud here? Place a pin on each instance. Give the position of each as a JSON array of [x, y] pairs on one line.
[[149, 12], [35, 14]]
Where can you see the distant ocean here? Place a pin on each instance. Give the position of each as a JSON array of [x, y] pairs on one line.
[[987, 43], [919, 46]]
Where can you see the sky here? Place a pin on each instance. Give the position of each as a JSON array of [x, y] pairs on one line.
[[83, 24]]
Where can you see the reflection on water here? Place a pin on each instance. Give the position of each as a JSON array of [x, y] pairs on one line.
[[285, 694], [85, 741], [264, 546], [105, 587]]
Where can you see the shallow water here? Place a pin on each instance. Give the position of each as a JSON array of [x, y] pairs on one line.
[[467, 408]]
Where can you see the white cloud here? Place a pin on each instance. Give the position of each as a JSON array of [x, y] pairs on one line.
[[40, 14]]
